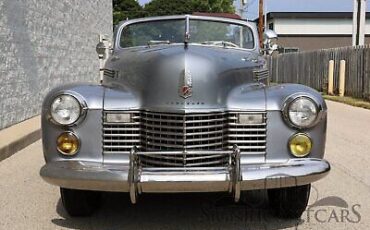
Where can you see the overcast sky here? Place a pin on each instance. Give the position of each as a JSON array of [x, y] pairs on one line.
[[297, 6]]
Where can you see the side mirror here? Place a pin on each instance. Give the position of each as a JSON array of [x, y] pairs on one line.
[[270, 39], [270, 34], [103, 48]]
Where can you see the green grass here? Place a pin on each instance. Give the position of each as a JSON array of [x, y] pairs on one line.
[[349, 101]]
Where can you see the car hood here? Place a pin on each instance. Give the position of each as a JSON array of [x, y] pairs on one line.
[[154, 78]]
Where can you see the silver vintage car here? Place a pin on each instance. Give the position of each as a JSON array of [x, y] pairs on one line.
[[184, 106]]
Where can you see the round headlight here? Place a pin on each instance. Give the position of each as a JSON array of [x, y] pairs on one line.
[[302, 112], [65, 109]]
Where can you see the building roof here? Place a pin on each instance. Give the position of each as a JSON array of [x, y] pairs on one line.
[[302, 6], [312, 15], [221, 15]]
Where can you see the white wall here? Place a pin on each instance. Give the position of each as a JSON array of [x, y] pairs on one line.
[[44, 44], [285, 26]]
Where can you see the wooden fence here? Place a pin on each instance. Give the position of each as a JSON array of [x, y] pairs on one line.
[[311, 68]]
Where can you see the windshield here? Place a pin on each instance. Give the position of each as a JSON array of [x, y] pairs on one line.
[[224, 34]]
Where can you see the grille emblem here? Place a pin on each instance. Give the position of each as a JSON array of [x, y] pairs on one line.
[[186, 84]]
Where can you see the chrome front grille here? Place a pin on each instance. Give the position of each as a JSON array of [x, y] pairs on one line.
[[199, 137], [183, 132], [121, 137]]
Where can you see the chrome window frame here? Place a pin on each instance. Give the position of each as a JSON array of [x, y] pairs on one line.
[[251, 26]]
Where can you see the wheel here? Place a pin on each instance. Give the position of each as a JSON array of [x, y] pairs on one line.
[[79, 202], [289, 202]]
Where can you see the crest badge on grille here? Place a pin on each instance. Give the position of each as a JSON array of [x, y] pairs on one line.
[[186, 84]]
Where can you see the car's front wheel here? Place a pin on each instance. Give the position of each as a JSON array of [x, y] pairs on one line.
[[289, 202], [79, 202]]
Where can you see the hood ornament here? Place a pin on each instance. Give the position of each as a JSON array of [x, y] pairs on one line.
[[186, 84]]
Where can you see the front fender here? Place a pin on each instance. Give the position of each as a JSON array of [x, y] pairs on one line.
[[276, 95], [92, 94], [89, 130], [279, 131]]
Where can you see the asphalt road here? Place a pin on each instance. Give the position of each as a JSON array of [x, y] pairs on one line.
[[339, 201]]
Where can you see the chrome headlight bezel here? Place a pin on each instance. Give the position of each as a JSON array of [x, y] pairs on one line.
[[82, 109], [286, 107]]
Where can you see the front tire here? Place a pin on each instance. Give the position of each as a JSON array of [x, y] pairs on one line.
[[79, 203], [290, 202]]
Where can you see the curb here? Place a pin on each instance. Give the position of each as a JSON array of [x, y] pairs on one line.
[[19, 136]]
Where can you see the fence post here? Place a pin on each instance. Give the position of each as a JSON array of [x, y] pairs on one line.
[[342, 78], [331, 77]]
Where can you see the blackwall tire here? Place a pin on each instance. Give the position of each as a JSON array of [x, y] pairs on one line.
[[79, 203], [289, 203]]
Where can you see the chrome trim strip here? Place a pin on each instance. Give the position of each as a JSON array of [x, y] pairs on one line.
[[121, 135], [181, 152], [117, 129]]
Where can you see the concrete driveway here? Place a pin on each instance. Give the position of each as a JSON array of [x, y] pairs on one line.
[[340, 201]]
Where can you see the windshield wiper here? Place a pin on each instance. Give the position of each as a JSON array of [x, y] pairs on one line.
[[224, 44], [158, 42]]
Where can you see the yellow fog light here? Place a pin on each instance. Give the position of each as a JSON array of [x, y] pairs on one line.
[[300, 145], [68, 144]]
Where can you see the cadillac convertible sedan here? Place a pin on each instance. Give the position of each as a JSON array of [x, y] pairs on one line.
[[185, 106]]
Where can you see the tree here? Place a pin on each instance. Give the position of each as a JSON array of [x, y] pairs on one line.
[[168, 7], [123, 9], [214, 6], [173, 7]]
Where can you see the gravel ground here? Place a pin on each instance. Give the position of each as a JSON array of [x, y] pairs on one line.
[[339, 201]]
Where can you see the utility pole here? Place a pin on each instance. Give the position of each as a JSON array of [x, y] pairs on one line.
[[260, 22], [359, 20]]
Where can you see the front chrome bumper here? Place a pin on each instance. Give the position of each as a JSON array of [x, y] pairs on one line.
[[134, 179]]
